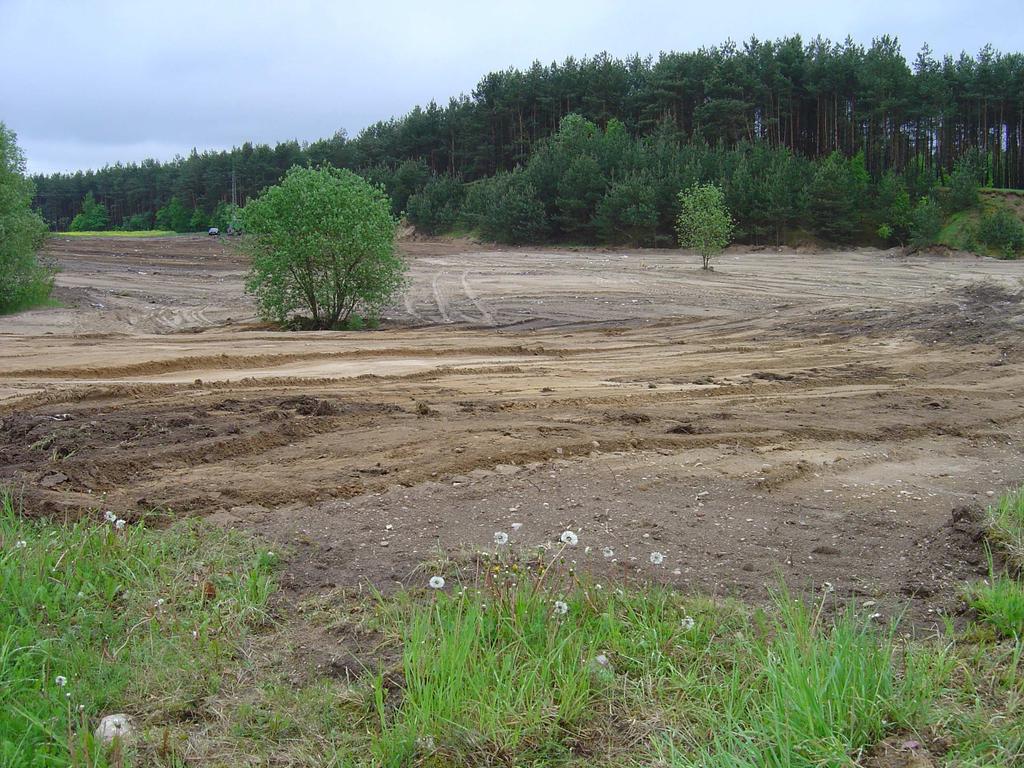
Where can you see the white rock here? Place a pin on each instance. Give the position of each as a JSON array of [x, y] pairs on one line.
[[114, 725]]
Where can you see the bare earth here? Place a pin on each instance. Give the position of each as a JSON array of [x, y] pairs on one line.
[[835, 417]]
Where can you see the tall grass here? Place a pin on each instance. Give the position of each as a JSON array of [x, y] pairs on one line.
[[496, 675], [1006, 525], [95, 619]]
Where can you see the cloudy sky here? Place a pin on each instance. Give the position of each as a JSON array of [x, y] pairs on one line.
[[90, 83]]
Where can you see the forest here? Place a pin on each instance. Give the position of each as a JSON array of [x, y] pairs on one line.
[[849, 142]]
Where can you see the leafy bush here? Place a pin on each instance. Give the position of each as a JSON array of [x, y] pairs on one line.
[[505, 208], [322, 244], [969, 172], [24, 282], [139, 222], [704, 223], [174, 216], [93, 218], [628, 212], [435, 208], [1002, 231], [925, 223]]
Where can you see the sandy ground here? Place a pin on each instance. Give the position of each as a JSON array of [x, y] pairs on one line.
[[835, 417]]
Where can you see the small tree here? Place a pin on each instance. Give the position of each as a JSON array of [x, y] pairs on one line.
[[93, 218], [323, 246], [24, 282], [704, 223]]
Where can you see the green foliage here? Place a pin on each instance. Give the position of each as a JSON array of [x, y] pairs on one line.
[[93, 218], [999, 601], [225, 217], [968, 175], [836, 197], [93, 618], [704, 223], [435, 209], [322, 245], [1002, 231], [925, 223], [198, 222], [893, 208], [174, 216], [139, 222], [628, 212], [24, 282], [505, 208]]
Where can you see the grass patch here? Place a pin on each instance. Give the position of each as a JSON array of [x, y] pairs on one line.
[[96, 619], [1006, 526], [114, 233], [515, 662]]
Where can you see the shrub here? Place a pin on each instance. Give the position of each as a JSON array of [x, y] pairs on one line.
[[704, 223], [435, 208], [174, 216], [505, 208], [139, 222], [925, 223], [93, 218], [322, 244], [1002, 231], [24, 282], [628, 212]]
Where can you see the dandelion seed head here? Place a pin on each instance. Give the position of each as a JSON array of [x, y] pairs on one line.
[[436, 582], [60, 680], [570, 538], [500, 538], [21, 544], [120, 524], [657, 558], [687, 623], [109, 516], [828, 587], [561, 608], [608, 552]]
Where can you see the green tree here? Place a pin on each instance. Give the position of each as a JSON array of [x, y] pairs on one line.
[[893, 208], [198, 221], [93, 218], [435, 208], [174, 216], [24, 282], [322, 244], [925, 223], [505, 208], [628, 212], [704, 223], [836, 197]]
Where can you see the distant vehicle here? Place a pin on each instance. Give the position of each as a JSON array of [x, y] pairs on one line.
[[213, 231]]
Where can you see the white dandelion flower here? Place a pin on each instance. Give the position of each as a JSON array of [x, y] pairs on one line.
[[21, 544], [657, 558], [500, 538], [561, 608], [436, 582], [109, 516], [120, 524], [608, 552], [687, 623], [570, 538], [60, 680]]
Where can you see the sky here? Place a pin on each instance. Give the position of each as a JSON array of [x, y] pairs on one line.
[[86, 83]]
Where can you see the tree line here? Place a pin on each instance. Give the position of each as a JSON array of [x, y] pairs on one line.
[[738, 112]]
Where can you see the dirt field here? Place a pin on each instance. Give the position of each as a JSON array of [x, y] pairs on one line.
[[831, 417]]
